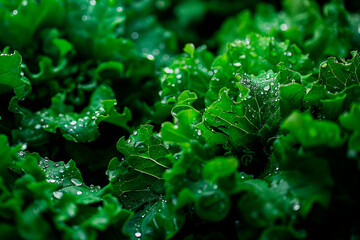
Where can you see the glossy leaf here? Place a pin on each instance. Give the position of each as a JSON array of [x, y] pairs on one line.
[[76, 127], [337, 76], [139, 175]]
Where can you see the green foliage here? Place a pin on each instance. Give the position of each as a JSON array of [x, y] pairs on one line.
[[260, 140], [53, 190], [77, 127], [320, 31], [10, 76]]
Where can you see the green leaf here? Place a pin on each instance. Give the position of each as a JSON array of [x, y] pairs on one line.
[[76, 127], [184, 184], [311, 133], [266, 202], [110, 69], [156, 221], [291, 97], [9, 155], [185, 101], [350, 120], [190, 71], [256, 57], [92, 28], [65, 178], [281, 232], [255, 114], [154, 43], [219, 168], [330, 105], [10, 75], [184, 130], [20, 21], [58, 54], [320, 33], [138, 177], [142, 145], [337, 76], [110, 213], [307, 172]]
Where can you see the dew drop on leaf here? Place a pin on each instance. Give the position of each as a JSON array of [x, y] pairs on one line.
[[58, 194], [296, 207], [76, 182]]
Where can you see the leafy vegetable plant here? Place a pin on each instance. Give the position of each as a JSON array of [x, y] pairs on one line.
[[108, 130]]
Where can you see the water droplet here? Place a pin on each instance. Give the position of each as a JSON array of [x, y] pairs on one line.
[[137, 234], [237, 64], [84, 18], [134, 35], [37, 126], [79, 192], [324, 65], [150, 57], [73, 122], [296, 207], [58, 194], [15, 12], [266, 88], [21, 153], [76, 182], [168, 70], [92, 2], [166, 57], [283, 27], [24, 146], [135, 133]]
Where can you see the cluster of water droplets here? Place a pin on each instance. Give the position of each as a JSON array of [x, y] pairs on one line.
[[73, 124], [182, 74], [153, 210], [63, 175], [55, 172]]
